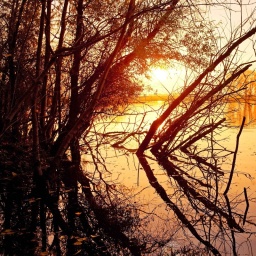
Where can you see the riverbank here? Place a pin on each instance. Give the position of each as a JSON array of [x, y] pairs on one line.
[[155, 97]]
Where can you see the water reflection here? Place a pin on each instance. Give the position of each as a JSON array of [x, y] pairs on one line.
[[220, 222], [217, 221], [180, 206]]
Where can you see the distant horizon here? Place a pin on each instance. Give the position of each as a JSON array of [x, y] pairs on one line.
[[153, 97]]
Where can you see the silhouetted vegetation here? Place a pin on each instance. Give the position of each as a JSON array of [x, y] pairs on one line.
[[67, 66]]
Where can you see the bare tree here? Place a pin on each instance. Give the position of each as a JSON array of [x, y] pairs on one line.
[[68, 65], [194, 118]]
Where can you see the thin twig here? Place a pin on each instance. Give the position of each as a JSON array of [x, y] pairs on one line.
[[247, 206], [234, 158], [230, 220]]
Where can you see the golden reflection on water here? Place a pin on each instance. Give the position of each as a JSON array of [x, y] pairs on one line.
[[141, 115], [125, 167]]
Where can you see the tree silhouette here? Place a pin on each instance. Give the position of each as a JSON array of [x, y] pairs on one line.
[[67, 66]]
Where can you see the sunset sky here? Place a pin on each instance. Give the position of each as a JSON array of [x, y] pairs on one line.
[[167, 80]]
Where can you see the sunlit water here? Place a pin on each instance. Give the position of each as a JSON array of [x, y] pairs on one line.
[[124, 168]]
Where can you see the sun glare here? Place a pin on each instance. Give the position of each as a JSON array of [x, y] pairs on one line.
[[165, 80], [159, 74]]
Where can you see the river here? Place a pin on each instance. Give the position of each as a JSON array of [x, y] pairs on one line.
[[124, 168]]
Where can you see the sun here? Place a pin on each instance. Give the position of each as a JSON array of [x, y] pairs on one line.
[[159, 74], [165, 80]]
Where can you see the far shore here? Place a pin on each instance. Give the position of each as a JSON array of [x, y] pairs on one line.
[[250, 99], [155, 97]]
